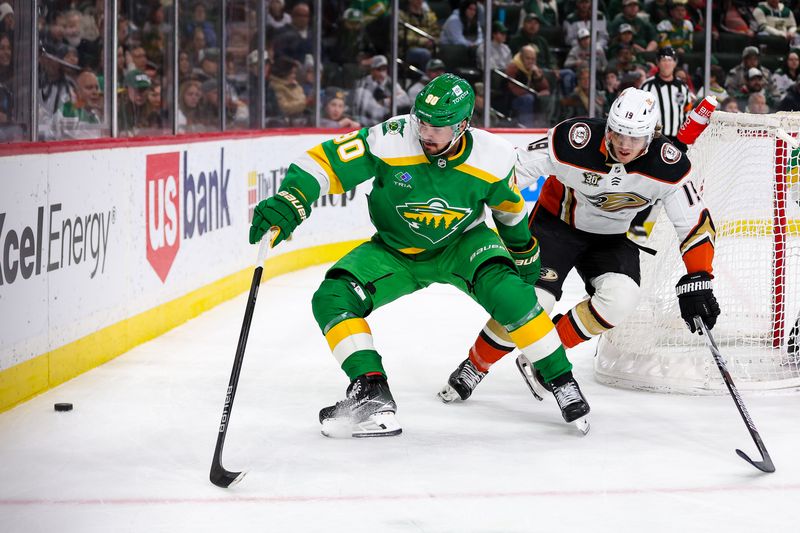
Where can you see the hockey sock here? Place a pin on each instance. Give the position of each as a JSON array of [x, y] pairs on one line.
[[339, 309], [491, 345], [580, 324]]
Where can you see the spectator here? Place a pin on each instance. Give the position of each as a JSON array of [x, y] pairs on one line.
[[433, 69], [55, 89], [624, 62], [199, 21], [415, 47], [189, 117], [373, 94], [496, 119], [295, 39], [83, 118], [737, 76], [623, 37], [755, 85], [576, 104], [791, 100], [334, 111], [6, 84], [133, 116], [7, 19], [138, 58], [737, 18], [209, 64], [352, 42], [774, 18], [729, 105], [499, 52], [155, 107], [643, 33], [580, 54], [581, 19], [523, 69], [529, 34], [6, 55], [156, 22], [717, 75], [196, 46], [289, 94], [184, 66], [462, 26], [786, 76], [270, 106], [611, 83], [676, 31], [88, 52], [209, 105], [757, 104], [277, 17], [658, 10], [545, 10]]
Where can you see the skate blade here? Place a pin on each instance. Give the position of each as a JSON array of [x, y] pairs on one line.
[[448, 394], [526, 369], [377, 425], [582, 424]]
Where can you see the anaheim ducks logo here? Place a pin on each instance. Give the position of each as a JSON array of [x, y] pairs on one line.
[[548, 274], [617, 201], [434, 219]]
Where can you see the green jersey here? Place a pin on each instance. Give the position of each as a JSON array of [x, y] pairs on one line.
[[418, 203]]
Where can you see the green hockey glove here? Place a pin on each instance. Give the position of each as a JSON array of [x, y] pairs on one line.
[[284, 211], [527, 261]]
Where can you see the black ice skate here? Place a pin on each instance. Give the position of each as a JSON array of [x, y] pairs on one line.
[[570, 400], [367, 411], [462, 382]]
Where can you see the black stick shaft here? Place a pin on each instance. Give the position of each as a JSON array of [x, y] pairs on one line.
[[219, 475], [765, 465]]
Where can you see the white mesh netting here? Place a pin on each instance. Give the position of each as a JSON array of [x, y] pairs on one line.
[[746, 169]]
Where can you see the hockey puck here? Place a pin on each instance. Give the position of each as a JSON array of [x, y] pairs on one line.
[[62, 407]]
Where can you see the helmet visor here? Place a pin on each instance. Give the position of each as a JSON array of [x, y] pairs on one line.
[[628, 143], [434, 139]]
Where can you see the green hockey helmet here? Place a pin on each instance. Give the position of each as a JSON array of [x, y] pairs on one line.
[[447, 100]]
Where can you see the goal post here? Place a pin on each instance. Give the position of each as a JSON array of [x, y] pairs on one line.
[[746, 169]]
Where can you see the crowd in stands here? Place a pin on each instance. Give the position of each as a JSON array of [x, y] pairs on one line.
[[539, 57]]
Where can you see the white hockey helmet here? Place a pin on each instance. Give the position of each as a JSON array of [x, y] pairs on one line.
[[634, 113]]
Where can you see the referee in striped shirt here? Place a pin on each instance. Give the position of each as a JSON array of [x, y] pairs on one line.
[[672, 94]]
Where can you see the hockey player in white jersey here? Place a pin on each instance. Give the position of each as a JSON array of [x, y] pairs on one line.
[[600, 174]]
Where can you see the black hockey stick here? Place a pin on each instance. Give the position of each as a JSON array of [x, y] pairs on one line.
[[219, 476], [765, 464]]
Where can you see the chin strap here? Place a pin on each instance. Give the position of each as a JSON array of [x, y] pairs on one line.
[[455, 140]]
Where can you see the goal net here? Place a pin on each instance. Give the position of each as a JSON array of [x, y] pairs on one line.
[[746, 168]]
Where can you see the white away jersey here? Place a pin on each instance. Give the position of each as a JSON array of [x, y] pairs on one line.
[[592, 192]]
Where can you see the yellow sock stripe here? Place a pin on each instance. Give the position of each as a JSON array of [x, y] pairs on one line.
[[348, 337], [532, 331], [543, 347]]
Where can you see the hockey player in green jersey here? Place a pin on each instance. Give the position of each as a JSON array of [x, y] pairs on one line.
[[433, 178]]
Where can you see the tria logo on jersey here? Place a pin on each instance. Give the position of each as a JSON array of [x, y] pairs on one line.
[[204, 207], [434, 219]]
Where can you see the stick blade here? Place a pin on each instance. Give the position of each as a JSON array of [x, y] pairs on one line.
[[765, 465], [224, 478]]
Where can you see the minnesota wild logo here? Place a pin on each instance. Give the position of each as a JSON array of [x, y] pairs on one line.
[[394, 127], [434, 219]]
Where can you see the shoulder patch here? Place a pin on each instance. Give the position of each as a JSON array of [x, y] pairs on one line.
[[669, 154], [579, 135], [394, 126]]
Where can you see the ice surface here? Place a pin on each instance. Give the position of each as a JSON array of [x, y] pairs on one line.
[[135, 452]]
